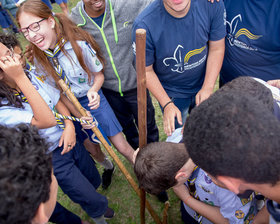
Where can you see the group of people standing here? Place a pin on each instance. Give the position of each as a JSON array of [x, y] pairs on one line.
[[189, 43]]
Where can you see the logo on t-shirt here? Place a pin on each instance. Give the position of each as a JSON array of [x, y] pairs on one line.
[[234, 34], [180, 63]]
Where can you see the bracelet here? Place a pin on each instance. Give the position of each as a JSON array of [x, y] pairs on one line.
[[166, 104]]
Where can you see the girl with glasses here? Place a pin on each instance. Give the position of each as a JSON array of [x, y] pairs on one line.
[[27, 99]]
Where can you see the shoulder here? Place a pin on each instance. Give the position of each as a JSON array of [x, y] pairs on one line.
[[151, 11], [75, 11]]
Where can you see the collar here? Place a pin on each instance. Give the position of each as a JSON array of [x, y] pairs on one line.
[[274, 209]]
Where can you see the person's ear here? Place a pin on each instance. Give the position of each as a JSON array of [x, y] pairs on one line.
[[51, 21], [231, 183], [1, 74], [40, 216]]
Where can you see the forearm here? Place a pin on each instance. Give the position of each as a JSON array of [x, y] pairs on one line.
[[42, 114], [62, 109], [214, 63], [70, 106], [155, 87], [98, 81], [210, 212]]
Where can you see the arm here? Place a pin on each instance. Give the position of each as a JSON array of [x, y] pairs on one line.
[[92, 94], [170, 111], [275, 83], [70, 106], [42, 115], [68, 137], [213, 67], [212, 213]]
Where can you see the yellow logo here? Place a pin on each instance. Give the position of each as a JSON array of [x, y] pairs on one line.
[[192, 53], [239, 214], [247, 33]]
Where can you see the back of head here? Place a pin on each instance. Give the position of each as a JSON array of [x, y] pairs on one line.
[[9, 40], [156, 165], [248, 85], [25, 174], [232, 134]]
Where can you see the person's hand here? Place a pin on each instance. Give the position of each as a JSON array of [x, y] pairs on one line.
[[68, 138], [94, 99], [275, 83], [90, 119], [29, 54], [169, 114], [213, 1], [202, 95], [12, 67]]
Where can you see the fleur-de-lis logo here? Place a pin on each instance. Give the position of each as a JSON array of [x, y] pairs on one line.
[[233, 35], [176, 61]]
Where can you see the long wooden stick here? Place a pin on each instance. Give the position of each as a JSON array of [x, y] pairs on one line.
[[108, 148], [142, 102]]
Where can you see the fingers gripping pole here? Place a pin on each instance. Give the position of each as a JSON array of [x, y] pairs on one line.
[[108, 148]]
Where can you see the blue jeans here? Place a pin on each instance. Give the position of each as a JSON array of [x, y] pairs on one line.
[[78, 177], [61, 215]]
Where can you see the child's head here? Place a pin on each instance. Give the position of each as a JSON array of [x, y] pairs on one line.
[[233, 136], [43, 29], [28, 188], [157, 166], [11, 42], [248, 85]]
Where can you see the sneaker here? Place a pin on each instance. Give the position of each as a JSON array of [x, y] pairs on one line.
[[162, 196], [107, 177], [109, 213]]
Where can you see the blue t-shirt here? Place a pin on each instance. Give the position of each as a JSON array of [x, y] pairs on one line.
[[178, 47], [253, 40]]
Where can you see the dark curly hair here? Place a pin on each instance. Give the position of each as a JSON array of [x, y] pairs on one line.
[[233, 134], [6, 92], [9, 40], [25, 173], [248, 85], [157, 164]]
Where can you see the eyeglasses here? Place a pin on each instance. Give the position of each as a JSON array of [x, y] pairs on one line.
[[33, 27]]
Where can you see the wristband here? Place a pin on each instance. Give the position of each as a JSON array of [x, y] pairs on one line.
[[166, 104]]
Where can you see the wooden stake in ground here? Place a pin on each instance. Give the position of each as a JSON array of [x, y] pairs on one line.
[[108, 148], [142, 102]]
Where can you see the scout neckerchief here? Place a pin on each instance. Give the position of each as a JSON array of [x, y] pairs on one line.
[[52, 56], [59, 119], [192, 189], [59, 71], [24, 99]]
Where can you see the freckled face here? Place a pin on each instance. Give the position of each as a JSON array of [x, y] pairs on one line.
[[44, 37]]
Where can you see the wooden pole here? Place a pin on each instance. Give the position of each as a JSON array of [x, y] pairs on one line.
[[142, 102], [165, 214], [108, 148]]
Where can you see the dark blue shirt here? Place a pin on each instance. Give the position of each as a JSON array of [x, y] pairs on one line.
[[178, 47], [98, 20], [253, 39]]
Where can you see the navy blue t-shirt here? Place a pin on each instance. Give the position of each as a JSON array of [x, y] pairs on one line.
[[253, 39], [178, 47]]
